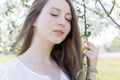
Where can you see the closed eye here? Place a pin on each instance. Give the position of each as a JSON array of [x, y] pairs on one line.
[[54, 14], [68, 20], [68, 17]]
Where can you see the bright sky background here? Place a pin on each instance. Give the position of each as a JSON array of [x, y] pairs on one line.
[[105, 37], [2, 1]]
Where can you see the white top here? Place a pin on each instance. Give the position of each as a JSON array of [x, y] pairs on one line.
[[16, 70]]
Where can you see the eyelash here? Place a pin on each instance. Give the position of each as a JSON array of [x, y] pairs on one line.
[[54, 15], [57, 15], [68, 20]]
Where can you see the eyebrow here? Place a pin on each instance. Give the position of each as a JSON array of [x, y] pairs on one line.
[[55, 8], [59, 10]]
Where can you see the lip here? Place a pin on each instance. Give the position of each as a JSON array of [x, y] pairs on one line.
[[58, 32]]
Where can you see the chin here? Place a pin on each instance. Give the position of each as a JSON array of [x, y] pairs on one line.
[[56, 41]]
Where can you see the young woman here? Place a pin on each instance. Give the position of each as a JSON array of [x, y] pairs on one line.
[[50, 45]]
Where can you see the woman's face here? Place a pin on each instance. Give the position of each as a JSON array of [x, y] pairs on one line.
[[54, 22]]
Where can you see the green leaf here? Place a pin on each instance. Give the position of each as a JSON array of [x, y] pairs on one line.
[[79, 11], [78, 73], [0, 21], [88, 25], [84, 65], [92, 70], [27, 0], [82, 76], [96, 2], [6, 13], [80, 17], [88, 78], [13, 24], [23, 2], [119, 14], [88, 34]]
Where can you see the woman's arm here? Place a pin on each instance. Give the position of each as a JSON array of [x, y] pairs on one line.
[[92, 56]]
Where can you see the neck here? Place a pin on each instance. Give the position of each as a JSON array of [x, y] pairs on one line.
[[40, 50]]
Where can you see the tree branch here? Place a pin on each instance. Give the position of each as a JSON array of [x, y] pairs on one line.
[[108, 14], [85, 20], [88, 8], [112, 7]]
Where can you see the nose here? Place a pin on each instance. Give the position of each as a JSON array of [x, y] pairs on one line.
[[62, 23]]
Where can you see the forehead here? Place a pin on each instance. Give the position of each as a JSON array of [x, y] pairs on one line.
[[61, 4]]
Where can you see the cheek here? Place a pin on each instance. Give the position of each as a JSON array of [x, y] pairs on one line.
[[50, 20], [45, 22], [68, 28]]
